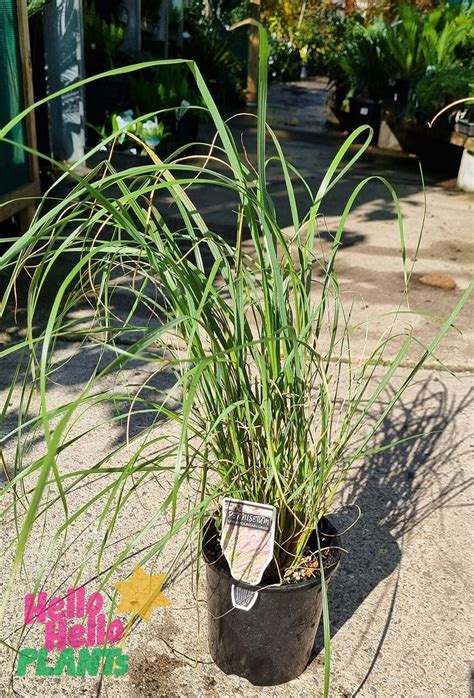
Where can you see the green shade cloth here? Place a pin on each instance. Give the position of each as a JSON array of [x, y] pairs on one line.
[[14, 170]]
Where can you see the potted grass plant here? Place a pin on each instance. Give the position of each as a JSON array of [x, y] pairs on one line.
[[271, 410]]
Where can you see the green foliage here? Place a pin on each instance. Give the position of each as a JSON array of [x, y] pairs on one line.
[[34, 6], [442, 86], [143, 94], [260, 374], [292, 43], [370, 57], [173, 88], [102, 37], [161, 90], [442, 36], [222, 11], [417, 41], [360, 67], [215, 51], [333, 29], [401, 45], [315, 34], [123, 124], [284, 60], [324, 34]]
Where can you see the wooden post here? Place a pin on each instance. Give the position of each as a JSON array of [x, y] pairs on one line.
[[26, 214], [21, 199], [252, 65]]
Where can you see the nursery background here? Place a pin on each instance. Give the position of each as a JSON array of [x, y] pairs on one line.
[[194, 305]]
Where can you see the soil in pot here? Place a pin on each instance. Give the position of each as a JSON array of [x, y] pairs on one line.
[[272, 642]]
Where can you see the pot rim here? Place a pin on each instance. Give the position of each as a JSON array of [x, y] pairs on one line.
[[282, 588]]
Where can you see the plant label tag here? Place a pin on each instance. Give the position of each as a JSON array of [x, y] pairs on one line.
[[247, 539]]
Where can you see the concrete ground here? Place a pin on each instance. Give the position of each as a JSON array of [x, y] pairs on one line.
[[401, 601]]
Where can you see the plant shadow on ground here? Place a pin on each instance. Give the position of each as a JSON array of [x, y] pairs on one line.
[[139, 389], [396, 490], [218, 205], [73, 364]]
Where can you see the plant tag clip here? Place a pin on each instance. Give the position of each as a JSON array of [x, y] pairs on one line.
[[247, 539]]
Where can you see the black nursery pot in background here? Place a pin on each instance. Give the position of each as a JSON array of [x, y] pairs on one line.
[[397, 97], [365, 111], [271, 643], [187, 128]]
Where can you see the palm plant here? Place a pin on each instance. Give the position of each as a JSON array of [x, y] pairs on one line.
[[402, 44], [360, 63], [259, 349], [417, 41], [442, 36]]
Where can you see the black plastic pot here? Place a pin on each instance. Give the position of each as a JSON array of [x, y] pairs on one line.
[[271, 643], [397, 97], [187, 128], [365, 111]]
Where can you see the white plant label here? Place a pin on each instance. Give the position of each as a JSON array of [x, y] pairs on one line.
[[247, 540]]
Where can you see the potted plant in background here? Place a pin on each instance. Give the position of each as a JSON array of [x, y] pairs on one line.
[[168, 91], [362, 71], [273, 411], [103, 38], [221, 55], [150, 131], [391, 61], [304, 55]]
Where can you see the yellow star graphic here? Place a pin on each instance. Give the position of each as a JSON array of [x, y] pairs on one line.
[[141, 594]]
